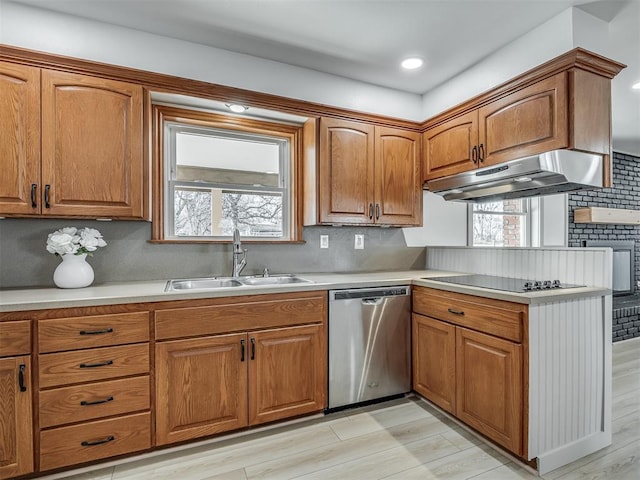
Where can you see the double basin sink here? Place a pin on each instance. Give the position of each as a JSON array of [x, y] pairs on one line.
[[227, 282]]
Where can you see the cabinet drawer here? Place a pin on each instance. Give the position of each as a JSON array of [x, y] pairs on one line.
[[94, 400], [94, 440], [74, 333], [241, 316], [15, 338], [495, 317], [93, 365]]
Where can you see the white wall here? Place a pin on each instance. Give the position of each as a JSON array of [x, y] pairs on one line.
[[444, 223], [38, 29]]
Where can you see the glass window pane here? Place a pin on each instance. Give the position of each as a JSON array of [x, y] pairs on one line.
[[254, 214], [192, 213], [513, 205], [499, 230], [238, 161]]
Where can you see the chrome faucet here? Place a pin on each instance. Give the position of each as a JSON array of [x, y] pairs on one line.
[[238, 263]]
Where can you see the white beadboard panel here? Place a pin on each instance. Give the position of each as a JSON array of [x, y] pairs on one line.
[[569, 379], [581, 266]]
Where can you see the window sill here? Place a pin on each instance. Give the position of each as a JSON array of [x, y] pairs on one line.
[[244, 241]]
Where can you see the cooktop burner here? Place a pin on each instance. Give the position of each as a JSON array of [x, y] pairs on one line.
[[518, 285]]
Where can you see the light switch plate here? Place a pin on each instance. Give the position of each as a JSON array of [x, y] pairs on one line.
[[324, 241], [359, 242]]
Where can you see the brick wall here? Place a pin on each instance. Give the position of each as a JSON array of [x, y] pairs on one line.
[[624, 194]]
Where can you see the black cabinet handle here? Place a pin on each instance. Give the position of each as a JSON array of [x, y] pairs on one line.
[[481, 155], [95, 365], [242, 350], [253, 348], [84, 403], [21, 384], [370, 211], [377, 211], [474, 154], [34, 199], [88, 443], [455, 312], [47, 188], [96, 332]]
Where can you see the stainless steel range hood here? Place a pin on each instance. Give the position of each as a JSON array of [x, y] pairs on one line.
[[551, 172]]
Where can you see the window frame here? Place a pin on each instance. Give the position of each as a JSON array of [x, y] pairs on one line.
[[235, 126], [527, 213]]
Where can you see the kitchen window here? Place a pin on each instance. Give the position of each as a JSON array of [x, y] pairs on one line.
[[504, 223], [221, 173]]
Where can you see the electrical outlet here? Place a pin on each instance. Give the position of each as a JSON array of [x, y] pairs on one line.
[[359, 242], [324, 241]]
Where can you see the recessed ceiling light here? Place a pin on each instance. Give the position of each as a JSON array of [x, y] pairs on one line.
[[412, 63], [636, 86], [235, 108]]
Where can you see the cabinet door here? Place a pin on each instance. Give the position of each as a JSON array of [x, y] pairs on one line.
[[527, 122], [20, 139], [16, 435], [201, 387], [489, 387], [91, 146], [287, 373], [346, 172], [448, 148], [398, 184], [434, 361]]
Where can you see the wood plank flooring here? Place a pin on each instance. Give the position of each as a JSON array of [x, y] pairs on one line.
[[398, 440]]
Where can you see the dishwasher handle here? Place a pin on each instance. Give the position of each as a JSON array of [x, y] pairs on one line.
[[372, 300]]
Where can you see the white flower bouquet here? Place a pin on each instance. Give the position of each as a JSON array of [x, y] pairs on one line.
[[74, 241]]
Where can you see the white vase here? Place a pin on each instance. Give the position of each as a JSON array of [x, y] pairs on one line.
[[73, 272]]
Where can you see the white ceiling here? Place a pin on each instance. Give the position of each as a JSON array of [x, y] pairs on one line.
[[358, 39]]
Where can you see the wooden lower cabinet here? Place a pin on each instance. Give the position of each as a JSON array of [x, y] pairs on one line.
[[201, 387], [214, 384], [16, 432], [434, 361], [489, 386], [468, 359], [287, 373]]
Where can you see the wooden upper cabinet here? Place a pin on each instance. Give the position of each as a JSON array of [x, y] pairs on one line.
[[398, 186], [92, 161], [449, 148], [16, 435], [346, 171], [367, 175], [20, 139], [527, 122]]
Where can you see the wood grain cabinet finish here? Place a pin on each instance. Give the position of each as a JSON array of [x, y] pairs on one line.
[[216, 381], [367, 175], [201, 387], [15, 338], [434, 361], [74, 146], [16, 434], [91, 441], [470, 365], [570, 109], [20, 140]]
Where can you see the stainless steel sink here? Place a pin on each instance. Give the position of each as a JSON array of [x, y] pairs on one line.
[[227, 282], [201, 284], [274, 280]]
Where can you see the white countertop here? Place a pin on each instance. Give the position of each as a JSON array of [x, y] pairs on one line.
[[12, 300]]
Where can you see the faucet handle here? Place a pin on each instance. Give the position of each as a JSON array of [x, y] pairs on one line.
[[265, 272]]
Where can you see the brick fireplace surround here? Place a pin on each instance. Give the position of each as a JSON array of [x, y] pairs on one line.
[[624, 194]]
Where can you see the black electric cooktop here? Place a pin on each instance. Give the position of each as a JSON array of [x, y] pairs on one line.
[[518, 285]]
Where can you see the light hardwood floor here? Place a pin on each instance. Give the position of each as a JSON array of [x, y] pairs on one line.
[[400, 440]]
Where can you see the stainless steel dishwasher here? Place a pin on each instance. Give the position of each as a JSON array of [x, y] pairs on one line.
[[369, 344]]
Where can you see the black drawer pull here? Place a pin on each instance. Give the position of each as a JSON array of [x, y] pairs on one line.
[[94, 365], [96, 332], [21, 384], [253, 348], [47, 189], [455, 312], [84, 403], [242, 350], [87, 443]]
